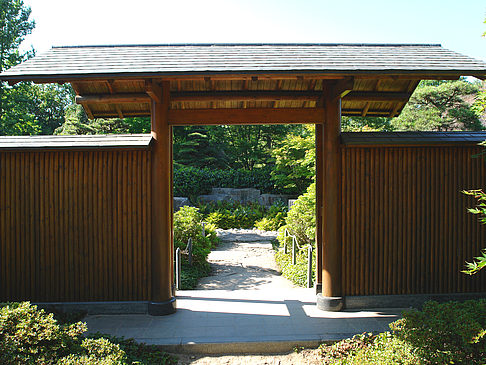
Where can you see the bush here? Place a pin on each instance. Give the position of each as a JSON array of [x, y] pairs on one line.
[[301, 218], [188, 224], [300, 222], [384, 348], [192, 181], [297, 273], [446, 333], [274, 217], [32, 336], [226, 215]]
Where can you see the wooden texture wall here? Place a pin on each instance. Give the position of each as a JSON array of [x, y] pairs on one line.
[[406, 228], [75, 225]]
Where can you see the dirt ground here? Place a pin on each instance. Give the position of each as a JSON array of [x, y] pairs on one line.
[[303, 357]]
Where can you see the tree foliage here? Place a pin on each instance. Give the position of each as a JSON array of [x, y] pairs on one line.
[[14, 27], [480, 209], [440, 106], [295, 161], [76, 122]]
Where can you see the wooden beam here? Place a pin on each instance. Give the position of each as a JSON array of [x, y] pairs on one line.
[[162, 299], [153, 90], [319, 138], [365, 109], [245, 116], [338, 88], [119, 111], [245, 96], [88, 111], [376, 96], [113, 99], [371, 112], [395, 110], [307, 95], [109, 84], [330, 188]]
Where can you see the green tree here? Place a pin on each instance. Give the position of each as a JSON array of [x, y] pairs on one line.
[[480, 209], [76, 122], [366, 124], [197, 146], [295, 161], [14, 27], [440, 106]]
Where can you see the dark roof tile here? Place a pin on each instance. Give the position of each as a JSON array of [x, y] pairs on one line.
[[174, 59]]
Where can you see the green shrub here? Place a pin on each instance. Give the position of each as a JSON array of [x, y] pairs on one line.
[[32, 336], [192, 181], [226, 215], [301, 218], [274, 217], [188, 224], [138, 353], [297, 273], [446, 333], [300, 222], [96, 351], [384, 348], [28, 335]]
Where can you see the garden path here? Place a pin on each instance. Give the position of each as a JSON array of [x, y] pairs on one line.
[[244, 260]]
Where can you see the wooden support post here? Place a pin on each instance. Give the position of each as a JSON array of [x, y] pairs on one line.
[[330, 187], [162, 299], [319, 166]]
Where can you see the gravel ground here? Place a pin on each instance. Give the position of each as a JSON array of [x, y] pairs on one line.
[[244, 260], [304, 357]]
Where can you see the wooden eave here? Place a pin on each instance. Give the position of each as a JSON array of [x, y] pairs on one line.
[[252, 83], [379, 96]]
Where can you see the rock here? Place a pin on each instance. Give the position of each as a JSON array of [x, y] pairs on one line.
[[179, 202], [243, 196]]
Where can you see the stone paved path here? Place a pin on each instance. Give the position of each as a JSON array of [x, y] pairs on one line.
[[250, 308], [244, 260]]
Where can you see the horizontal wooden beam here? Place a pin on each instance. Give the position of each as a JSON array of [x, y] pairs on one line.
[[245, 96], [376, 96], [113, 99], [246, 116], [370, 112], [200, 96]]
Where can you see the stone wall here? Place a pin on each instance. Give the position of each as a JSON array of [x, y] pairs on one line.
[[244, 196]]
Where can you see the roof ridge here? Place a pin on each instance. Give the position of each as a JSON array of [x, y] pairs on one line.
[[257, 45]]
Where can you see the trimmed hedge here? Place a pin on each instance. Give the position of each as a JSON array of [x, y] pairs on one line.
[[192, 181]]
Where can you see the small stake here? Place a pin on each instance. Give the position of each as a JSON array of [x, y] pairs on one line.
[[178, 268], [309, 267]]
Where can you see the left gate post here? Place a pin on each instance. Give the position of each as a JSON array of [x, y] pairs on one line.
[[162, 299]]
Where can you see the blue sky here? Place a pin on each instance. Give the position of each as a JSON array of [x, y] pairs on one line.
[[456, 24]]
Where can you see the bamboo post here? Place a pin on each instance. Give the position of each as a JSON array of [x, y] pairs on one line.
[[178, 266], [189, 251], [294, 250], [162, 253], [309, 266]]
